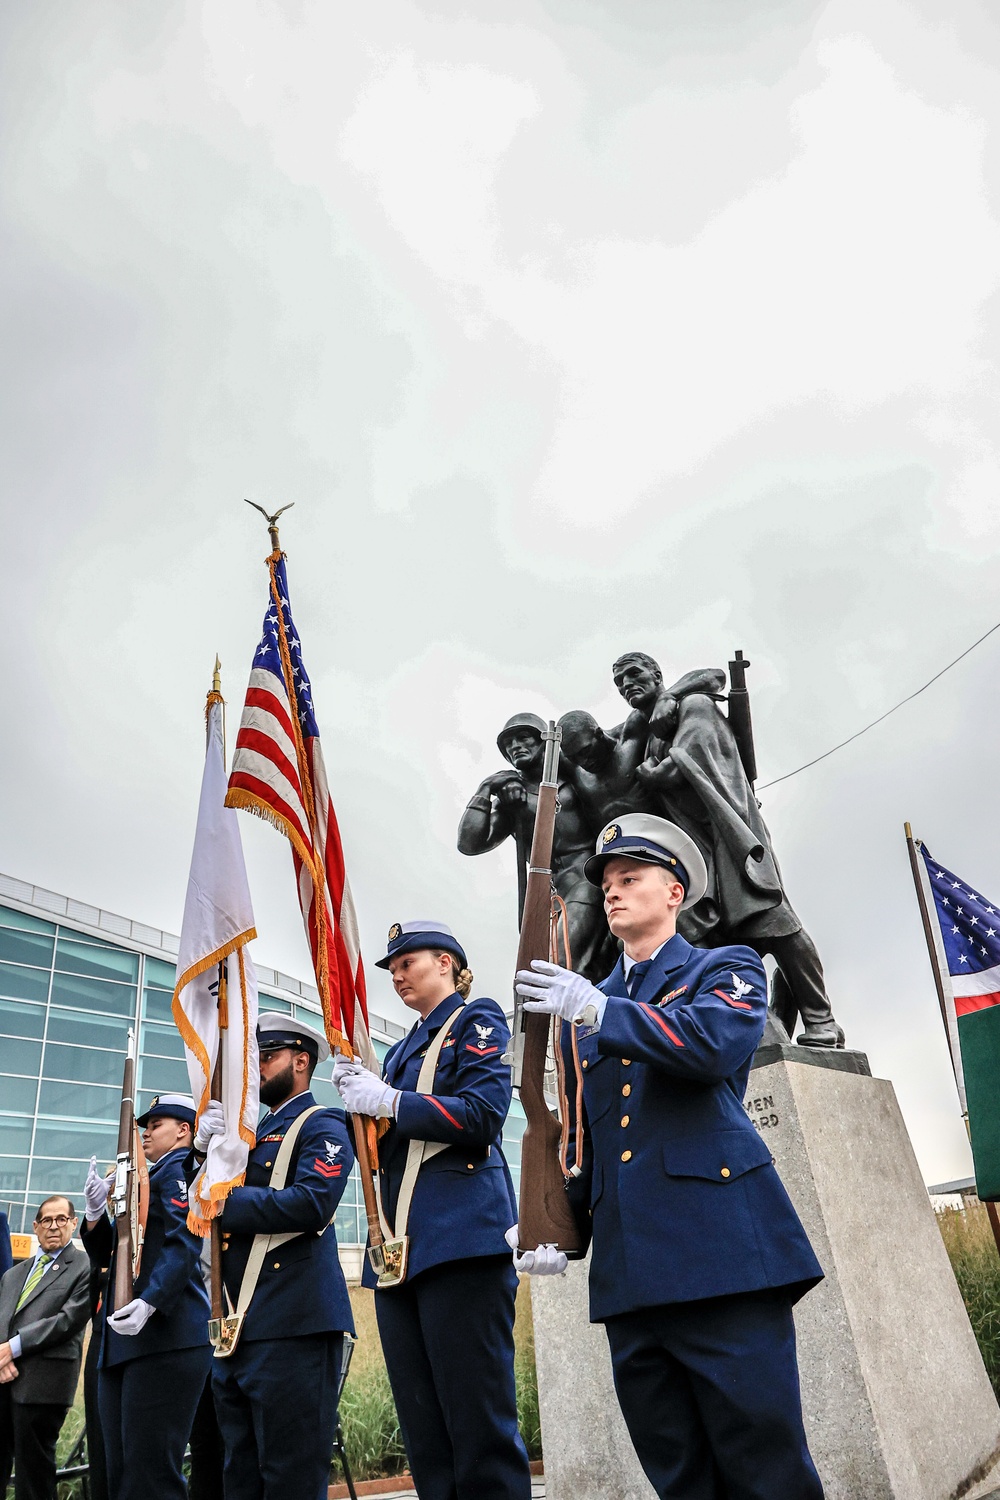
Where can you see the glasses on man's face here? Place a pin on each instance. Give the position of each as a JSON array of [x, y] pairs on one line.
[[59, 1222]]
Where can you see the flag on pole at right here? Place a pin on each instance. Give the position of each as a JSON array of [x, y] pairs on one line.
[[967, 948]]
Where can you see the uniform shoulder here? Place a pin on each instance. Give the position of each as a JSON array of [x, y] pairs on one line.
[[327, 1120], [325, 1115], [481, 1009], [732, 956]]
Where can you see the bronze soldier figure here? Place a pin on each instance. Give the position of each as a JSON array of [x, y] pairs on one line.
[[504, 807], [692, 768]]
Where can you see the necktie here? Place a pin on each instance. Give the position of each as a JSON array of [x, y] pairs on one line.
[[37, 1272], [637, 974]]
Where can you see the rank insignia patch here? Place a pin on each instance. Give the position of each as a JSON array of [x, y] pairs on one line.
[[485, 1032]]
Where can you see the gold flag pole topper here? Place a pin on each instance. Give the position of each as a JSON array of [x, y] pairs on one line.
[[272, 521]]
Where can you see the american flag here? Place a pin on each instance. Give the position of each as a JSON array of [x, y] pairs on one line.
[[970, 936], [278, 773]]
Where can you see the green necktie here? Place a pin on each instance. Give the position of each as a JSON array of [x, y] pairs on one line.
[[36, 1275]]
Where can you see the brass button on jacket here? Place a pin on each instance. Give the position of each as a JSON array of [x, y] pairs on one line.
[[725, 1172], [626, 1062], [626, 1089], [625, 1120], [626, 1156]]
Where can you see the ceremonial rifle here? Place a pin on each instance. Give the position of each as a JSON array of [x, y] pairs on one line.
[[544, 1213], [130, 1194]]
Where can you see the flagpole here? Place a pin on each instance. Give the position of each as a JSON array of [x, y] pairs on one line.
[[215, 1092], [926, 919], [932, 953]]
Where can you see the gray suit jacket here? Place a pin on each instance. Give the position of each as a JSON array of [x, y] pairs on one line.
[[50, 1325]]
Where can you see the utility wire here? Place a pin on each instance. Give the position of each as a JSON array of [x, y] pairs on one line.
[[908, 699]]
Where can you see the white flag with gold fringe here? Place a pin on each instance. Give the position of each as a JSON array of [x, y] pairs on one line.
[[215, 1000]]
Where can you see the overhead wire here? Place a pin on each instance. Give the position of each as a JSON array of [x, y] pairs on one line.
[[858, 733]]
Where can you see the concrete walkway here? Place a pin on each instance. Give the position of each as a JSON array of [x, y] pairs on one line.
[[537, 1492]]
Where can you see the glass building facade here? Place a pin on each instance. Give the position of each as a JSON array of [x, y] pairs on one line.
[[73, 980]]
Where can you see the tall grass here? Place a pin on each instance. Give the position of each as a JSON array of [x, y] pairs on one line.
[[969, 1241], [367, 1411]]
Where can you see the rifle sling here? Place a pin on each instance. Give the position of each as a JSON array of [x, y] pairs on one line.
[[263, 1244], [418, 1151]]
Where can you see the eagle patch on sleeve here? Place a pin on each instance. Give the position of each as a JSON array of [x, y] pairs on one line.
[[735, 997]]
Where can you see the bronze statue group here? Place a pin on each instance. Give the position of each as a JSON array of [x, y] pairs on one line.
[[672, 897]]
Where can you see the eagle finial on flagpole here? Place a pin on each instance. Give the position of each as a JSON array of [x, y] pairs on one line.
[[272, 521]]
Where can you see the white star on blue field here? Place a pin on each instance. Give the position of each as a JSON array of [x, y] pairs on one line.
[[970, 925]]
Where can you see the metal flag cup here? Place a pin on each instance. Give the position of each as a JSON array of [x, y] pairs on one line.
[[388, 1261]]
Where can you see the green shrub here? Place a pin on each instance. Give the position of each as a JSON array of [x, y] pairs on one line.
[[969, 1241]]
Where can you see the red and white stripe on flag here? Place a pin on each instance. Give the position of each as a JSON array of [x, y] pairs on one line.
[[976, 991], [278, 773]]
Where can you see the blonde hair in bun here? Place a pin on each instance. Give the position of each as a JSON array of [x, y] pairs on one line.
[[462, 977]]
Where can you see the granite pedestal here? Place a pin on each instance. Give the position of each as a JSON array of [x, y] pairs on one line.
[[896, 1401]]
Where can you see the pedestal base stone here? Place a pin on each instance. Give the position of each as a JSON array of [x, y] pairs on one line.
[[896, 1400], [586, 1448]]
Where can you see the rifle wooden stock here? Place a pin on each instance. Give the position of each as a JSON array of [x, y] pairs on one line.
[[544, 1213]]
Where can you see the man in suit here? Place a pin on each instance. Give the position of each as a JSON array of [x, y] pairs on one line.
[[154, 1352], [44, 1307], [698, 1254], [276, 1393]]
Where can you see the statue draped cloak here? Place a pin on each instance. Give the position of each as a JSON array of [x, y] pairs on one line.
[[745, 881]]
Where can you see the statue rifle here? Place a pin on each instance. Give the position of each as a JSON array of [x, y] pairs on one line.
[[130, 1193], [739, 715], [544, 1213]]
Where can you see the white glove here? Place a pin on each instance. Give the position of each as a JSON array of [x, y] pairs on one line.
[[212, 1122], [560, 992], [96, 1190], [346, 1067], [133, 1317], [545, 1261], [364, 1094]]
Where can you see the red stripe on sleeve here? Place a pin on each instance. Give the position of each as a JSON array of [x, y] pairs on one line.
[[736, 1004], [480, 1051], [437, 1103], [661, 1023]]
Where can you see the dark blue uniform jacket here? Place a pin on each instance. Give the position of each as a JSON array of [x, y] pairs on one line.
[[301, 1288], [464, 1199], [680, 1190], [169, 1273]]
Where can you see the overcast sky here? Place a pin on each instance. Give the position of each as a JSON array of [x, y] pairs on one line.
[[570, 327]]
